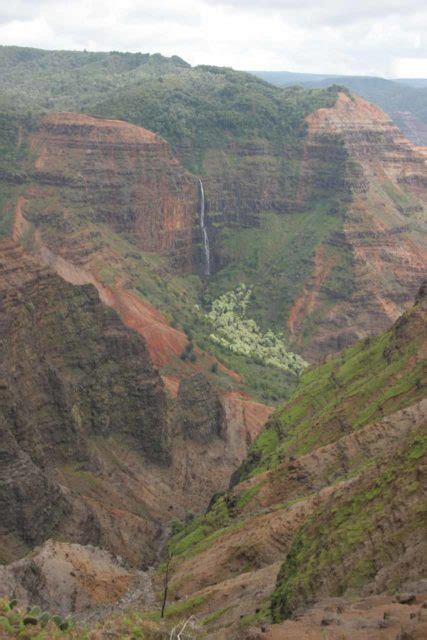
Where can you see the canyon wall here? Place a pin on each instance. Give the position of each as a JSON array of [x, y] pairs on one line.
[[117, 174], [382, 238], [341, 251], [94, 449], [71, 374]]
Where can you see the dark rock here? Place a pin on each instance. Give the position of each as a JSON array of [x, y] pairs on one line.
[[70, 371], [200, 413], [406, 598]]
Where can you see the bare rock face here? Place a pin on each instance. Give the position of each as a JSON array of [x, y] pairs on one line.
[[31, 503], [118, 174], [66, 578], [92, 376], [378, 257], [200, 414]]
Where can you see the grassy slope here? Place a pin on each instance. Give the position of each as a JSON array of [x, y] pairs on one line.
[[334, 541], [369, 380]]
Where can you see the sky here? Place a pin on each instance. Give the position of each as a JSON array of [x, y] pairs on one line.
[[363, 37]]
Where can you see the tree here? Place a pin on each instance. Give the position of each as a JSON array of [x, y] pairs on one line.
[[166, 583]]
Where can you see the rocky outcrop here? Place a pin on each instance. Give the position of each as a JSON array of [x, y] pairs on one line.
[[67, 578], [31, 503], [200, 414]]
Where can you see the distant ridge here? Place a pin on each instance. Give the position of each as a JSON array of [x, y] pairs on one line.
[[404, 99]]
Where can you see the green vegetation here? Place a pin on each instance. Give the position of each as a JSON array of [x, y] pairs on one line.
[[185, 607], [336, 534], [261, 614], [241, 335], [16, 622], [30, 622], [200, 108], [196, 536], [216, 615], [275, 259], [393, 96], [368, 381]]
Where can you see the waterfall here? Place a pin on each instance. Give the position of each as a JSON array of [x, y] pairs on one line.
[[204, 231]]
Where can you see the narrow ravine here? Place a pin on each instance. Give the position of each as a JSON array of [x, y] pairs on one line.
[[204, 230]]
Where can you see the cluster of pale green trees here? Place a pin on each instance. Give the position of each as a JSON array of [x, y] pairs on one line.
[[241, 335]]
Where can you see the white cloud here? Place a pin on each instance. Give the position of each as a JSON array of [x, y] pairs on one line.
[[382, 37]]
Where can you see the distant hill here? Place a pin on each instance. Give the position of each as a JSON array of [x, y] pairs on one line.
[[405, 100]]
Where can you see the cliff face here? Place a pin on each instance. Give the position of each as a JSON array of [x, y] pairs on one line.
[[333, 243], [70, 373], [117, 174], [201, 413], [51, 327], [93, 449], [381, 240]]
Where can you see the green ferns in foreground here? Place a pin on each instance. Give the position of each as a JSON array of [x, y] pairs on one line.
[[241, 335], [30, 623]]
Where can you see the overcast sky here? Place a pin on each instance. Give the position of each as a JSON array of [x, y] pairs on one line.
[[375, 37]]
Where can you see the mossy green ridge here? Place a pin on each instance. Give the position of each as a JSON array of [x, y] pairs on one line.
[[196, 536], [368, 381], [335, 538]]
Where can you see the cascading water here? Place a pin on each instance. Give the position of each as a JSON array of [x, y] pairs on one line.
[[204, 231]]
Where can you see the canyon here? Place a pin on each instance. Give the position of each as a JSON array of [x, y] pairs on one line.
[[131, 441], [99, 454]]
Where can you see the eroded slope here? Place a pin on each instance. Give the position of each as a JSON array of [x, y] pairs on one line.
[[332, 492]]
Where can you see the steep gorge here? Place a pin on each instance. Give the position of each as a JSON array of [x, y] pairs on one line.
[[93, 449], [327, 511], [326, 226]]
